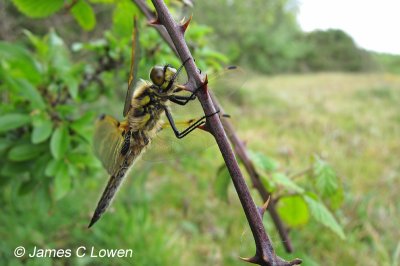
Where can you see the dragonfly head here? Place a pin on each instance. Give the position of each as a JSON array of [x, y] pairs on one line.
[[162, 75]]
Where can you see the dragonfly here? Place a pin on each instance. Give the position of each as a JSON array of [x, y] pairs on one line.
[[118, 144]]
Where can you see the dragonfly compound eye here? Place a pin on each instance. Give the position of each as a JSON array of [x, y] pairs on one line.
[[157, 75]]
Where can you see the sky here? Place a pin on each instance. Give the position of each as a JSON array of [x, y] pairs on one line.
[[373, 24]]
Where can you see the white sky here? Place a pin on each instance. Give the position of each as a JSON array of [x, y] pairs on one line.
[[373, 24]]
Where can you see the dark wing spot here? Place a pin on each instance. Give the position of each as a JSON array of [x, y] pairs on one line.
[[232, 67]]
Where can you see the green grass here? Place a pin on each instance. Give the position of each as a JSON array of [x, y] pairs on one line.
[[168, 213], [352, 121]]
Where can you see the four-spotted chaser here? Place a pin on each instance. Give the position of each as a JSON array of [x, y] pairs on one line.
[[118, 144]]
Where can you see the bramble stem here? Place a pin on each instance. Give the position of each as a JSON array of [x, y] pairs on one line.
[[265, 254]]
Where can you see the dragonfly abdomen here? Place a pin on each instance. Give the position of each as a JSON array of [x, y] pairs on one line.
[[113, 185]]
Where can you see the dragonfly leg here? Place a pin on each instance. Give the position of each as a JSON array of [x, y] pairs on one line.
[[181, 100], [189, 129], [171, 82]]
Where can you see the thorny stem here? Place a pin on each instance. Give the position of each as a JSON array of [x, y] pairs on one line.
[[241, 152], [150, 15], [265, 254], [238, 146]]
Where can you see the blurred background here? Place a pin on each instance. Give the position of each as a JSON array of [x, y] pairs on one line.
[[316, 102]]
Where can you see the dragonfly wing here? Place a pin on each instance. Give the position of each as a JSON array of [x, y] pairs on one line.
[[134, 66], [108, 142], [166, 147], [227, 82]]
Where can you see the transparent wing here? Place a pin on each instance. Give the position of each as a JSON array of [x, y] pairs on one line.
[[107, 143], [134, 66], [226, 80], [226, 85], [165, 146]]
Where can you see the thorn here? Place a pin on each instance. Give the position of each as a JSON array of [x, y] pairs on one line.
[[184, 25], [203, 86], [264, 207], [204, 128], [205, 80], [295, 262], [156, 21], [255, 259], [180, 88]]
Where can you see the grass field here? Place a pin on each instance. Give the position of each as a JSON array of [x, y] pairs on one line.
[[352, 120], [169, 215]]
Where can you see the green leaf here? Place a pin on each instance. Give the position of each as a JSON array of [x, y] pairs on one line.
[[40, 44], [286, 182], [122, 17], [27, 186], [268, 183], [12, 121], [83, 161], [52, 167], [20, 61], [65, 110], [336, 200], [84, 126], [322, 215], [38, 9], [60, 142], [41, 131], [32, 94], [293, 211], [83, 13], [221, 183], [5, 144], [263, 162], [10, 168], [58, 55], [27, 91], [24, 152], [40, 165], [326, 179], [72, 85], [62, 182]]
